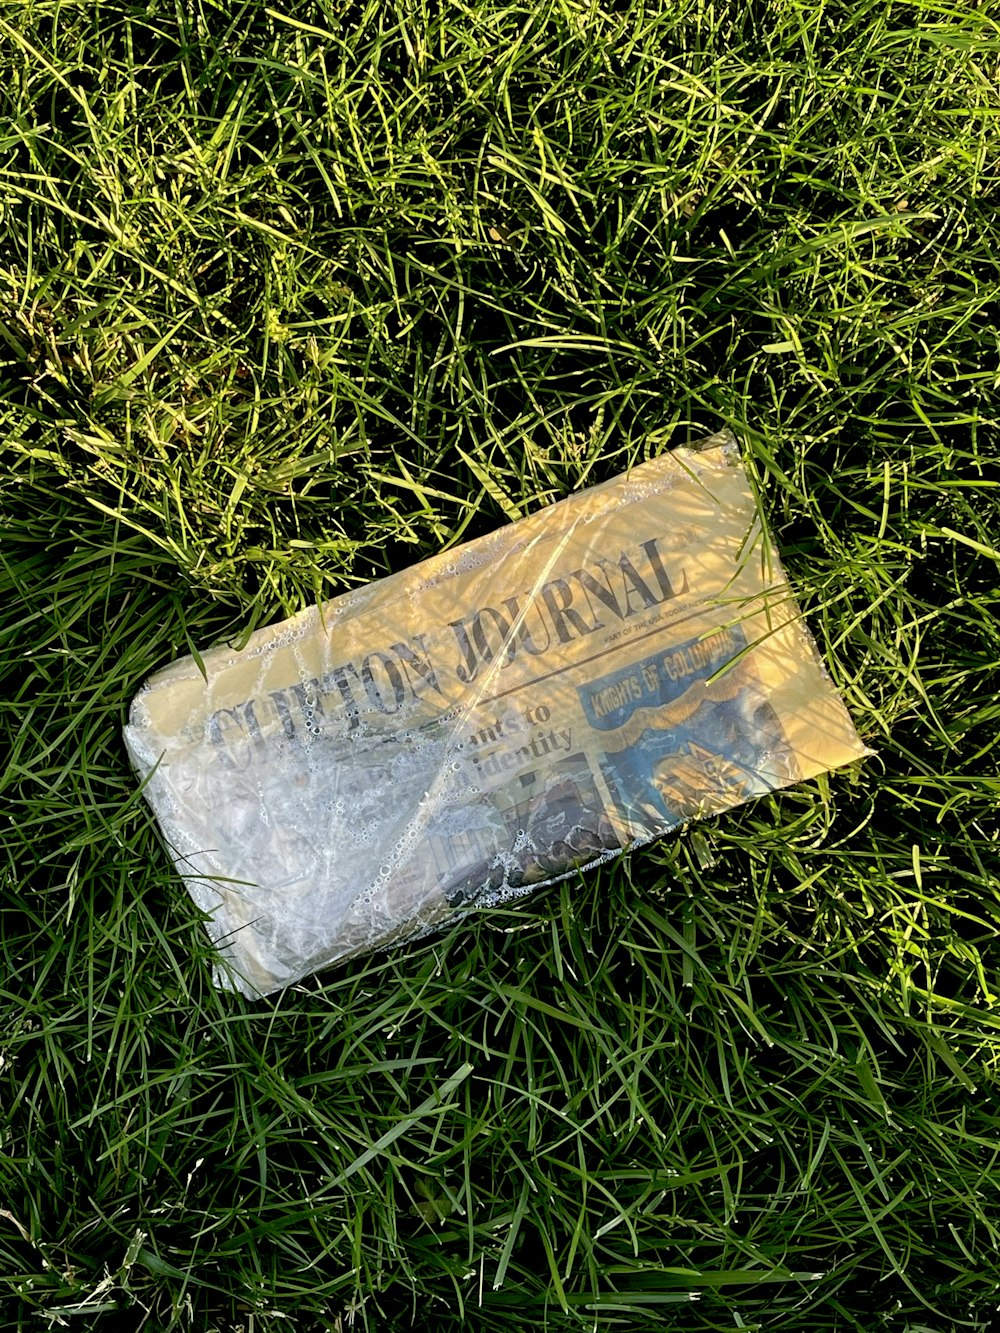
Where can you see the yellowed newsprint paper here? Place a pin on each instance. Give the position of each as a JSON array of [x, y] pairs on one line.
[[499, 716]]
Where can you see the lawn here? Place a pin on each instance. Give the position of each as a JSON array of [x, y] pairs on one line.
[[291, 297]]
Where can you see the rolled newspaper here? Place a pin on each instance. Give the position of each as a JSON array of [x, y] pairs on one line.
[[498, 717]]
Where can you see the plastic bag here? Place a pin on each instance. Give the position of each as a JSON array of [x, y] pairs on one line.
[[502, 715]]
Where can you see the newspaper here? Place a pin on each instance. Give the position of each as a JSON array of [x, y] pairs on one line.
[[502, 715]]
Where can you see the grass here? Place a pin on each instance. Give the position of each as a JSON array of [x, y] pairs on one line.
[[290, 297]]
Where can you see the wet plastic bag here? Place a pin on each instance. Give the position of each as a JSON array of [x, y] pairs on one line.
[[500, 716]]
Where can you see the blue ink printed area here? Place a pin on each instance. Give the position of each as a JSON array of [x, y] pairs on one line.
[[611, 700], [724, 753]]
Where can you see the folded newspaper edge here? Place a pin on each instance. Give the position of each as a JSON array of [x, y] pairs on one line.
[[502, 715]]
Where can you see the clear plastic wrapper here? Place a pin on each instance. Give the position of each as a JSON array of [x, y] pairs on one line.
[[500, 716]]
